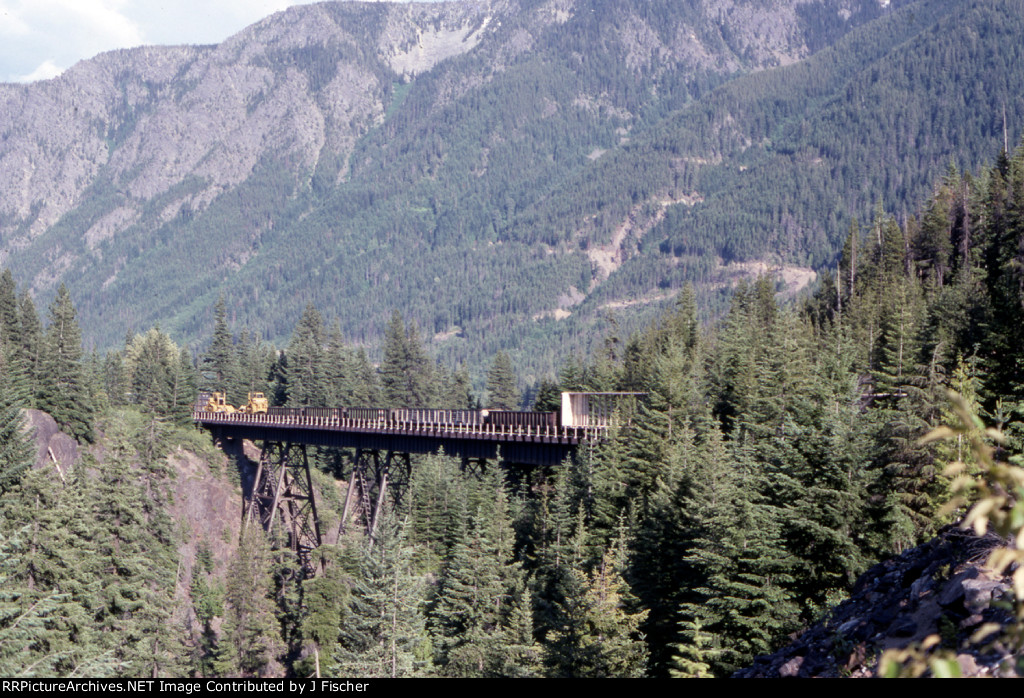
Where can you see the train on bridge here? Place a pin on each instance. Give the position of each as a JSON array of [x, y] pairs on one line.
[[577, 410], [382, 440]]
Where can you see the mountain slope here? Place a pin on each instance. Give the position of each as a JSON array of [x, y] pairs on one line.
[[487, 167]]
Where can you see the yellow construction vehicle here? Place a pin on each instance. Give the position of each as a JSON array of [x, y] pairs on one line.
[[218, 403], [257, 404]]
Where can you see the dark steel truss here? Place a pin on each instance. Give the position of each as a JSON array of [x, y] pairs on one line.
[[283, 492], [371, 482]]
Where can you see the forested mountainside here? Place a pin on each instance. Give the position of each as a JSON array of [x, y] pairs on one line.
[[507, 173], [776, 456], [468, 163]]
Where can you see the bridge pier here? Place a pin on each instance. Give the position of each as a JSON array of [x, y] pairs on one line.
[[476, 466], [368, 487], [383, 440], [283, 490]]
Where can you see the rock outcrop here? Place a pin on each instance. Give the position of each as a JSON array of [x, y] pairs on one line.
[[54, 448], [938, 588]]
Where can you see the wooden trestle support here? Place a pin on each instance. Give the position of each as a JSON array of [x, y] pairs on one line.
[[370, 483], [283, 490]]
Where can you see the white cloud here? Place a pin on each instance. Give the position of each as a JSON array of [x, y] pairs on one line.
[[59, 33], [201, 22], [80, 22], [45, 71], [56, 34], [10, 23]]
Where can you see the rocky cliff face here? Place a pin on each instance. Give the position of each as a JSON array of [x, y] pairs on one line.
[[939, 588], [145, 120], [134, 155], [303, 82]]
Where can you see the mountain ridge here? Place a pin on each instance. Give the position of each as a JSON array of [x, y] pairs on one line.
[[467, 162]]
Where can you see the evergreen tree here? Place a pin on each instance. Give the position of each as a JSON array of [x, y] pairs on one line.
[[572, 377], [29, 356], [307, 380], [337, 369], [396, 366], [218, 364], [733, 366], [63, 391], [407, 375], [742, 601], [134, 558], [254, 363], [10, 324], [827, 498], [366, 389], [898, 345], [251, 642], [688, 662], [660, 574], [24, 620], [115, 383], [325, 600], [549, 397], [150, 363], [458, 393], [186, 383], [597, 636], [384, 634], [479, 614], [55, 558], [438, 492], [207, 595], [502, 393], [16, 448]]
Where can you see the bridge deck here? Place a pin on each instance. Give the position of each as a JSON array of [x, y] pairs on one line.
[[529, 445]]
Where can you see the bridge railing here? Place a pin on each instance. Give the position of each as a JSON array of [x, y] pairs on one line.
[[338, 422]]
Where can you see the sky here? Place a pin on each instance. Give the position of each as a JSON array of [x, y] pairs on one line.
[[41, 38]]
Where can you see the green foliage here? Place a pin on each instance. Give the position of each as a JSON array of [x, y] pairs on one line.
[[251, 642], [407, 374], [326, 599], [157, 377], [501, 384], [306, 379], [597, 635], [744, 602], [383, 634], [63, 391], [94, 549], [218, 365], [689, 661], [480, 618], [29, 352], [16, 448], [207, 594]]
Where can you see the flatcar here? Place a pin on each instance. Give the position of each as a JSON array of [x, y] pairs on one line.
[[510, 418], [368, 414], [504, 419], [578, 410], [438, 417]]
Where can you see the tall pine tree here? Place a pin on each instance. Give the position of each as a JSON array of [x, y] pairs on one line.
[[63, 391]]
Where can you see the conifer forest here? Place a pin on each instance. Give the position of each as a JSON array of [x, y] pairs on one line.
[[775, 457], [794, 227]]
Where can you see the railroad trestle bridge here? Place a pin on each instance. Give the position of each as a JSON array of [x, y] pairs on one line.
[[382, 441]]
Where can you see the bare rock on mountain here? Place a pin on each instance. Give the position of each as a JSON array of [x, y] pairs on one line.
[[54, 448], [331, 141], [938, 588]]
